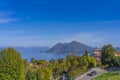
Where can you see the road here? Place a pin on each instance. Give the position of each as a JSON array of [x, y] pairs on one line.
[[86, 77]]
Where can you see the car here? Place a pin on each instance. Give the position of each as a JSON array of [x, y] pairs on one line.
[[92, 73]]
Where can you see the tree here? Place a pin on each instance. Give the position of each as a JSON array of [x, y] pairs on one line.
[[11, 65], [86, 53], [116, 61], [83, 61], [44, 73], [43, 62], [31, 75], [107, 55], [86, 57], [33, 61], [91, 62], [55, 68]]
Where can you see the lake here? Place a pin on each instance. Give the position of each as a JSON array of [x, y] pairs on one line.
[[41, 55]]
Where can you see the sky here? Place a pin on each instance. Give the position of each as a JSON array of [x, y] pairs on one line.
[[47, 22]]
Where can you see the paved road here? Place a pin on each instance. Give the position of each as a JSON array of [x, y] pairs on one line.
[[86, 77]]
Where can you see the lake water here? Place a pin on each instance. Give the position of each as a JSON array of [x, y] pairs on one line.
[[41, 55]]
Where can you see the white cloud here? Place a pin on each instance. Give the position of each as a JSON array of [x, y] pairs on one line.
[[7, 16]]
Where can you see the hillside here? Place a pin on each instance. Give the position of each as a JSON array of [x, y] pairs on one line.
[[72, 47]]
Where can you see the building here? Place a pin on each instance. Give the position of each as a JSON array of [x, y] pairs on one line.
[[117, 54], [97, 54]]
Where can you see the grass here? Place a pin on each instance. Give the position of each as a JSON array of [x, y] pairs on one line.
[[109, 76]]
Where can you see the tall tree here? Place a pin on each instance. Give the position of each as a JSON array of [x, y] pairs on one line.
[[107, 55], [11, 65], [86, 53]]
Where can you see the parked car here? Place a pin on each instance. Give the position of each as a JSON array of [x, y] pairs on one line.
[[92, 73]]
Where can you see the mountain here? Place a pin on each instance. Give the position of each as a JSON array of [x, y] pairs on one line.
[[32, 49], [117, 49], [1, 48], [72, 47]]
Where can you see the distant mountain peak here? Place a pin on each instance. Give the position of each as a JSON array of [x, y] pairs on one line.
[[74, 42], [72, 47]]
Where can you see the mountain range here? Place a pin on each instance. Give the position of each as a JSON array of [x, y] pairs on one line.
[[117, 49], [30, 49], [72, 47], [1, 48]]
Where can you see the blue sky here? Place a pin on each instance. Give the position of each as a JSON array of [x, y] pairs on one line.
[[47, 22]]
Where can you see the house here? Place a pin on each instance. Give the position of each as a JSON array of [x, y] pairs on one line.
[[117, 54], [97, 54]]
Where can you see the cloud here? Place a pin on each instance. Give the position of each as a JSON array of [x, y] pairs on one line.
[[7, 17], [7, 20]]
